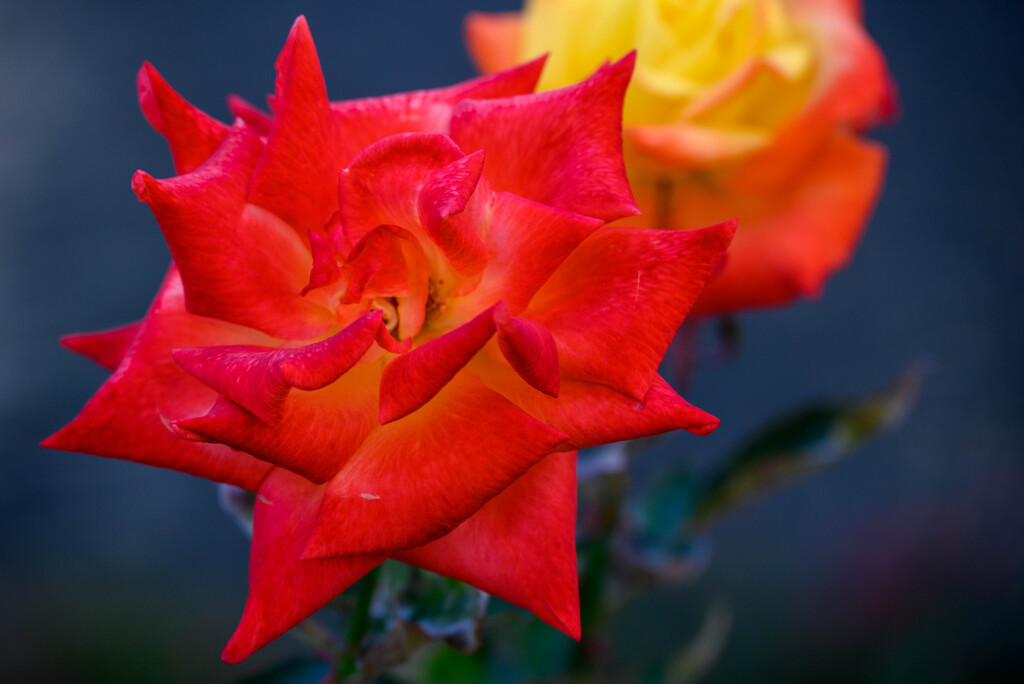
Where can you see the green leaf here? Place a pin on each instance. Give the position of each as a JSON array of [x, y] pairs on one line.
[[802, 444], [412, 608], [657, 544]]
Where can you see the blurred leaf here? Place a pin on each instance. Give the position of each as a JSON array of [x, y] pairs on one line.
[[694, 661], [412, 607], [802, 444], [294, 671], [657, 544], [451, 667], [443, 608]]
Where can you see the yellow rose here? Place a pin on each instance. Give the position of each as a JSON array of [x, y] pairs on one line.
[[747, 109]]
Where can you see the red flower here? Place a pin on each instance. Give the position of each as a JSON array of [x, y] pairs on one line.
[[397, 345]]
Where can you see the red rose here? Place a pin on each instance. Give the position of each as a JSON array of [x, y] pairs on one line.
[[395, 320]]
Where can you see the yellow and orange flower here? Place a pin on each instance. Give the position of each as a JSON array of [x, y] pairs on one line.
[[746, 109]]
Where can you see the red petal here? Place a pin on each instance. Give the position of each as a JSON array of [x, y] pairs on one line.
[[106, 347], [238, 262], [526, 243], [521, 546], [129, 415], [192, 135], [411, 380], [562, 148], [284, 590], [259, 378], [440, 207], [595, 414], [616, 303], [317, 433], [417, 479], [325, 269], [382, 184], [254, 117], [297, 175], [530, 349], [388, 262], [365, 121]]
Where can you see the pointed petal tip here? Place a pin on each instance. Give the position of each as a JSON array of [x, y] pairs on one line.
[[702, 429], [181, 429], [142, 185], [53, 441], [235, 652]]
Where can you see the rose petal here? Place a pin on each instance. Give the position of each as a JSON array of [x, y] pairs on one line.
[[192, 135], [259, 378], [595, 414], [441, 202], [254, 117], [413, 379], [129, 416], [417, 479], [296, 177], [238, 262], [791, 241], [106, 347], [318, 431], [616, 303], [526, 243], [284, 590], [381, 185], [521, 546], [493, 39], [572, 158], [365, 121], [530, 350]]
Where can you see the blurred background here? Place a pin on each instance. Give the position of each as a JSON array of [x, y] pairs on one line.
[[905, 563]]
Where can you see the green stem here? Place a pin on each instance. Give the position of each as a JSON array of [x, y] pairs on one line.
[[359, 623]]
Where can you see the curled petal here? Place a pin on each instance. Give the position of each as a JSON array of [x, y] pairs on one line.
[[192, 135], [441, 203], [413, 379], [529, 349], [381, 185], [296, 175], [106, 347], [325, 263], [388, 262], [521, 546], [318, 431], [572, 157], [284, 590], [616, 303], [416, 479], [238, 262], [259, 378]]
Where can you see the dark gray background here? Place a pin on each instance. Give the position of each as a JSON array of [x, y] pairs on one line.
[[904, 563]]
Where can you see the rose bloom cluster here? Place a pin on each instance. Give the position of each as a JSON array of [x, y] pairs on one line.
[[745, 109], [395, 320]]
